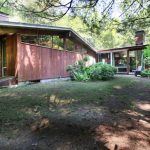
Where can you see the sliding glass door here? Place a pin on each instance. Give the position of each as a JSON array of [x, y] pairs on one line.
[[136, 59], [3, 60]]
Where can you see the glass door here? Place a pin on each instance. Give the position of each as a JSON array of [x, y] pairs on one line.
[[120, 61], [3, 62], [136, 59]]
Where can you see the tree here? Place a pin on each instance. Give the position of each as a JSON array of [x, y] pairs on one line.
[[95, 13], [93, 19]]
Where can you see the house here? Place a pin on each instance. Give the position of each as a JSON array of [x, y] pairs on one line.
[[125, 59], [34, 52], [4, 16]]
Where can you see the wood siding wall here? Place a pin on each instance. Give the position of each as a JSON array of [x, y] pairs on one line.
[[11, 53], [36, 62], [4, 17], [93, 54]]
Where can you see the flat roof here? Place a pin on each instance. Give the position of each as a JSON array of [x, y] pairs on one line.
[[135, 47], [3, 13], [20, 25]]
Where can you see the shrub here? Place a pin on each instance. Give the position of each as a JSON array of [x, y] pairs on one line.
[[147, 56], [146, 73], [78, 71], [102, 72], [96, 71], [78, 76], [147, 61]]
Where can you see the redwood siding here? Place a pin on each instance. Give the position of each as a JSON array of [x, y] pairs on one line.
[[36, 62], [93, 54], [11, 52], [0, 63]]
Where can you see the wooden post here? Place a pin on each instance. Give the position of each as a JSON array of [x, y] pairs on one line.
[[18, 47], [52, 42], [65, 43], [111, 58], [128, 62], [98, 57]]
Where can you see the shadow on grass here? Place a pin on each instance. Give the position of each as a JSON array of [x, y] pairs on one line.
[[90, 115]]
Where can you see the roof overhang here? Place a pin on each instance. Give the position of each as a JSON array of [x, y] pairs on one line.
[[130, 48], [18, 27]]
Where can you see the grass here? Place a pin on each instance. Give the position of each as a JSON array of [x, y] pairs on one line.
[[20, 106]]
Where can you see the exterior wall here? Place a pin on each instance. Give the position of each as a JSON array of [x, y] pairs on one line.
[[93, 54], [37, 63], [0, 64], [10, 45], [4, 17], [11, 52]]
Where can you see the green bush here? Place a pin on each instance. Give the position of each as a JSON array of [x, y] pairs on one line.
[[78, 71], [147, 55], [147, 61], [145, 73], [102, 72], [96, 71]]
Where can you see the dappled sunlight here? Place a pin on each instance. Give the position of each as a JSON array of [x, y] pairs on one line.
[[111, 114], [134, 113], [26, 61], [144, 105], [40, 124], [145, 123], [119, 138], [57, 101], [118, 87], [8, 95], [32, 111]]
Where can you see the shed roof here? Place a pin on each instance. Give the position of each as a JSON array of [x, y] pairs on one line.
[[135, 47], [3, 13], [18, 25]]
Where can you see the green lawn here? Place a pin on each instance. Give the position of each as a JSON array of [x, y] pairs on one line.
[[20, 106], [83, 114]]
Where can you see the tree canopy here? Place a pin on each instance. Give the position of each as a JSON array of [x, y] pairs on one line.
[[105, 24]]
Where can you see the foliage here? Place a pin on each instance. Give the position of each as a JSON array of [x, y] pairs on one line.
[[107, 38], [98, 71], [147, 55], [94, 20], [94, 13], [147, 61], [147, 51], [101, 71], [78, 71], [146, 73]]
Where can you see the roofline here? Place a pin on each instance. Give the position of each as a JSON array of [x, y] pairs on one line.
[[121, 48], [3, 13], [30, 26], [83, 40], [44, 27]]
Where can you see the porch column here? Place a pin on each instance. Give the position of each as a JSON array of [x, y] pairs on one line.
[[64, 41], [111, 58], [18, 47], [128, 62], [52, 41], [98, 55]]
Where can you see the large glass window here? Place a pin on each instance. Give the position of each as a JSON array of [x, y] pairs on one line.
[[105, 58], [120, 58], [3, 60], [136, 59]]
